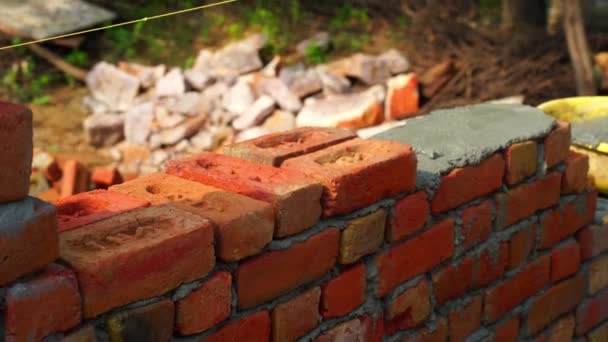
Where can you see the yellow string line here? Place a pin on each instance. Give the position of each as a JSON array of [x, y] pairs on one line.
[[117, 25]]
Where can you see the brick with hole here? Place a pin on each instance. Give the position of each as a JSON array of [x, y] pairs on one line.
[[251, 328], [591, 312], [465, 321], [16, 148], [408, 309], [344, 293], [137, 255], [465, 184], [491, 265], [89, 207], [599, 334], [522, 245], [402, 99], [296, 317], [269, 275], [521, 159], [575, 175], [358, 329], [453, 280], [415, 256], [559, 224], [206, 306], [411, 213], [598, 275], [243, 226], [523, 201], [593, 241], [357, 173], [438, 333], [503, 297], [153, 322], [274, 149], [28, 238], [557, 144], [507, 331], [476, 224], [362, 236], [556, 301], [45, 304], [565, 260], [295, 197]]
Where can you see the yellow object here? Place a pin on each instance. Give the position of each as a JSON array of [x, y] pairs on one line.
[[577, 109]]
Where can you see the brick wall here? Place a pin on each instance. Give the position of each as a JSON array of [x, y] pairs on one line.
[[458, 226]]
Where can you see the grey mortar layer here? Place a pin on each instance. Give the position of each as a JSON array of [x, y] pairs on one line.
[[591, 132], [451, 138]]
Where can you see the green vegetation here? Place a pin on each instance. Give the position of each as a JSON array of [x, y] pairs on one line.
[[315, 54], [350, 28]]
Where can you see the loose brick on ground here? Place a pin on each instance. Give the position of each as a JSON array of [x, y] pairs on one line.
[[565, 261], [137, 255], [272, 274], [476, 224], [593, 241], [16, 136], [75, 178], [408, 309], [274, 149], [294, 197], [521, 159], [507, 331], [252, 328], [296, 317], [153, 322], [454, 280], [410, 215], [104, 178], [557, 144], [591, 312], [344, 293], [576, 173], [521, 245], [362, 236], [598, 275], [402, 98], [465, 321]]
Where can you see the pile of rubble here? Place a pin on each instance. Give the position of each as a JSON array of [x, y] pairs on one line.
[[230, 95]]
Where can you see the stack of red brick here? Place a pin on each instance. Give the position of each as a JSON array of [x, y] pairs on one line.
[[317, 235]]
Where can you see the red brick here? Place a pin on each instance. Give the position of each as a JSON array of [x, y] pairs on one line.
[[75, 178], [206, 306], [565, 261], [358, 173], [153, 322], [253, 328], [409, 309], [476, 223], [555, 302], [402, 99], [563, 329], [507, 331], [575, 176], [362, 236], [274, 149], [598, 275], [521, 160], [294, 197], [463, 185], [16, 136], [591, 312], [438, 334], [521, 246], [523, 201], [416, 256], [355, 330], [28, 238], [593, 241], [103, 177], [557, 144], [465, 321], [410, 215], [297, 317], [344, 293], [46, 304], [83, 334], [599, 334], [233, 215], [491, 265], [510, 293], [137, 255], [82, 209], [272, 274], [559, 224], [453, 281], [48, 165]]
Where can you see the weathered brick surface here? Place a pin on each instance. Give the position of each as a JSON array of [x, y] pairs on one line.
[[591, 312], [476, 224], [88, 207], [153, 322], [565, 261], [243, 226], [563, 329], [491, 265], [593, 241], [137, 255], [507, 331], [438, 333], [524, 200], [462, 185], [83, 334], [46, 304], [413, 257], [274, 149], [410, 215], [598, 275], [408, 309], [575, 176], [347, 171], [521, 159], [344, 293], [272, 274], [362, 236], [508, 294], [16, 136], [295, 197], [28, 238], [599, 334], [557, 144], [561, 223], [465, 321], [358, 329], [206, 306], [296, 317], [521, 246], [556, 301], [253, 328], [402, 99], [454, 280]]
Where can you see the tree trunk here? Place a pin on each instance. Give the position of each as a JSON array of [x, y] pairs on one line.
[[522, 14], [578, 48]]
